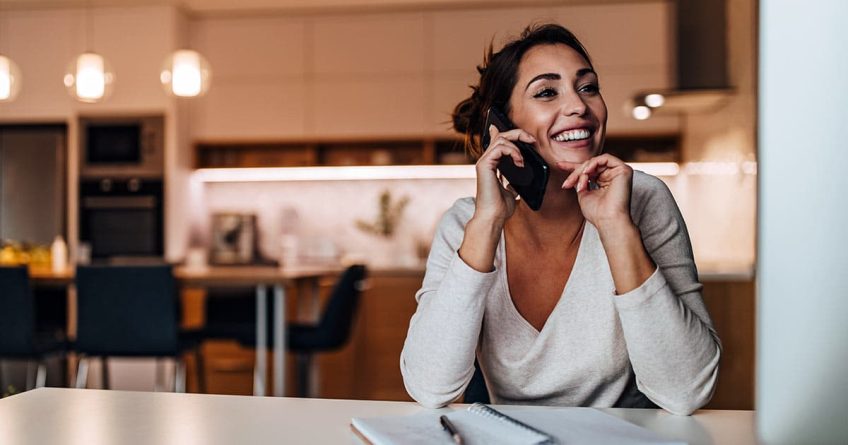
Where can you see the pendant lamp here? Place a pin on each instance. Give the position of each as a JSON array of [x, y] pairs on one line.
[[186, 73], [10, 79], [89, 77]]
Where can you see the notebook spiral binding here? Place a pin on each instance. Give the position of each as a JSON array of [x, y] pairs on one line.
[[487, 411]]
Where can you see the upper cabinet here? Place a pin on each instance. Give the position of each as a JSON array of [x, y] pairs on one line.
[[400, 74]]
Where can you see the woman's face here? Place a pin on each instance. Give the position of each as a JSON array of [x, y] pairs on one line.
[[557, 99]]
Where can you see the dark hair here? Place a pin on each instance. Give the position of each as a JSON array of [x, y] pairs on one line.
[[498, 75]]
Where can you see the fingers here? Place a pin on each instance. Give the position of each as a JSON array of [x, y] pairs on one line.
[[590, 170], [510, 135], [499, 147], [509, 192]]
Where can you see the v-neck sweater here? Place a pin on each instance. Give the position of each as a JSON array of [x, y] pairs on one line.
[[654, 344]]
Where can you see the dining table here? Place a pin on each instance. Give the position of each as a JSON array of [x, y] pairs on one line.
[[261, 278]]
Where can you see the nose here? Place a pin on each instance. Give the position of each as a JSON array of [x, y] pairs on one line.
[[573, 105]]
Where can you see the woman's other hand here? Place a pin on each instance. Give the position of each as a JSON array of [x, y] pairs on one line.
[[607, 204], [495, 202]]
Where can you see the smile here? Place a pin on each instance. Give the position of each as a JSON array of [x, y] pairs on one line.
[[578, 134]]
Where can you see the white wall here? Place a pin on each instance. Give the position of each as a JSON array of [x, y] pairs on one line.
[[802, 338]]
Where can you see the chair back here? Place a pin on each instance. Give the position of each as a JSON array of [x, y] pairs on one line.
[[127, 311], [337, 319], [17, 313]]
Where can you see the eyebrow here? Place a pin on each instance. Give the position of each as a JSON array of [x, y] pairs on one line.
[[554, 76]]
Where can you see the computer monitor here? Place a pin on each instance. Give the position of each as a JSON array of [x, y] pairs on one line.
[[802, 277]]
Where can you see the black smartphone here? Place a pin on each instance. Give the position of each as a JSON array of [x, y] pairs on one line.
[[529, 181]]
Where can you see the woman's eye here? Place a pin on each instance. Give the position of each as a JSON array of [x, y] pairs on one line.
[[590, 88], [547, 92]]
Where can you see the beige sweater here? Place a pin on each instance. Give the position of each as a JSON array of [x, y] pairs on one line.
[[596, 348]]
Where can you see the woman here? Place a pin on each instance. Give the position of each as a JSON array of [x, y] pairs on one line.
[[593, 300]]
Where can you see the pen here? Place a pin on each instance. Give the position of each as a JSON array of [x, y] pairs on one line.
[[448, 426]]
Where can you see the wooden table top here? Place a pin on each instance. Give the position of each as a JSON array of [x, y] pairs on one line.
[[210, 275]]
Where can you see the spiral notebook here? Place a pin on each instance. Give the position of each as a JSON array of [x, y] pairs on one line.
[[481, 424]]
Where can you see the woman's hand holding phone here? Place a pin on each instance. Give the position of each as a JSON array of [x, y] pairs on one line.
[[496, 202]]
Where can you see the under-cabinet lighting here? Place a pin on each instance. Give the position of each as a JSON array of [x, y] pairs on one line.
[[656, 168], [347, 173], [359, 173]]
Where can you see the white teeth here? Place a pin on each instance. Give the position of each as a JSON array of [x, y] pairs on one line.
[[572, 135]]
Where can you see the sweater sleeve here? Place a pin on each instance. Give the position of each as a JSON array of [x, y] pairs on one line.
[[437, 360], [673, 347]]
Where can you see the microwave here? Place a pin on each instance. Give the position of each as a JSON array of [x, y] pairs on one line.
[[122, 147]]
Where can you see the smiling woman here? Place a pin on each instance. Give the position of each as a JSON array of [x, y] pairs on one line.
[[593, 300]]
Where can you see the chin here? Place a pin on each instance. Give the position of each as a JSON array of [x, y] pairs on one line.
[[576, 156]]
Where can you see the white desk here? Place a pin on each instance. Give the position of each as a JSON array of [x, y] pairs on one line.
[[80, 416]]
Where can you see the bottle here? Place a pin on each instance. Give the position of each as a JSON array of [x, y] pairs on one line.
[[59, 254]]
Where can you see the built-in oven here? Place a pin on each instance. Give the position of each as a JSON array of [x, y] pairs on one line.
[[122, 219], [122, 147]]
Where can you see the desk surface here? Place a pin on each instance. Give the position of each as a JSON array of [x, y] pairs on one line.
[[57, 415]]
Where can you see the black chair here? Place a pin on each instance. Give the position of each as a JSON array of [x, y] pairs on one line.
[[231, 318], [20, 336], [128, 311], [476, 391]]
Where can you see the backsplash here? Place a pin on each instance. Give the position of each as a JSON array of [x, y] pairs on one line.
[[719, 209]]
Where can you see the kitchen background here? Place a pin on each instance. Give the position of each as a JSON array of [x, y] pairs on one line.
[[377, 73]]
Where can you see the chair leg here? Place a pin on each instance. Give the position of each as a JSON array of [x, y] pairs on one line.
[[104, 365], [41, 375], [159, 384], [29, 382], [180, 375], [200, 370], [304, 367], [82, 372]]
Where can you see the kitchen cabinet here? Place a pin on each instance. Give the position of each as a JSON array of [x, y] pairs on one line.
[[732, 307], [401, 151]]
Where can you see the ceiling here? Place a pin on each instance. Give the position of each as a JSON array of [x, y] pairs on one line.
[[205, 7]]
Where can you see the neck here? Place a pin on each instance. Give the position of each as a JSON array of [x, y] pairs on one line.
[[559, 216]]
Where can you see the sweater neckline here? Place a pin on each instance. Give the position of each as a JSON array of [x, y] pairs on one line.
[[507, 295]]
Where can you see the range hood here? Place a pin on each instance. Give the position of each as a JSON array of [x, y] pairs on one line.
[[701, 42]]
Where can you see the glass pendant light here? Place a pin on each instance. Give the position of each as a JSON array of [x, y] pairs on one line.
[[10, 76], [186, 73], [10, 79], [89, 77]]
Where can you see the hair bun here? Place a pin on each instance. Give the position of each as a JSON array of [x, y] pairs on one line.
[[463, 115]]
